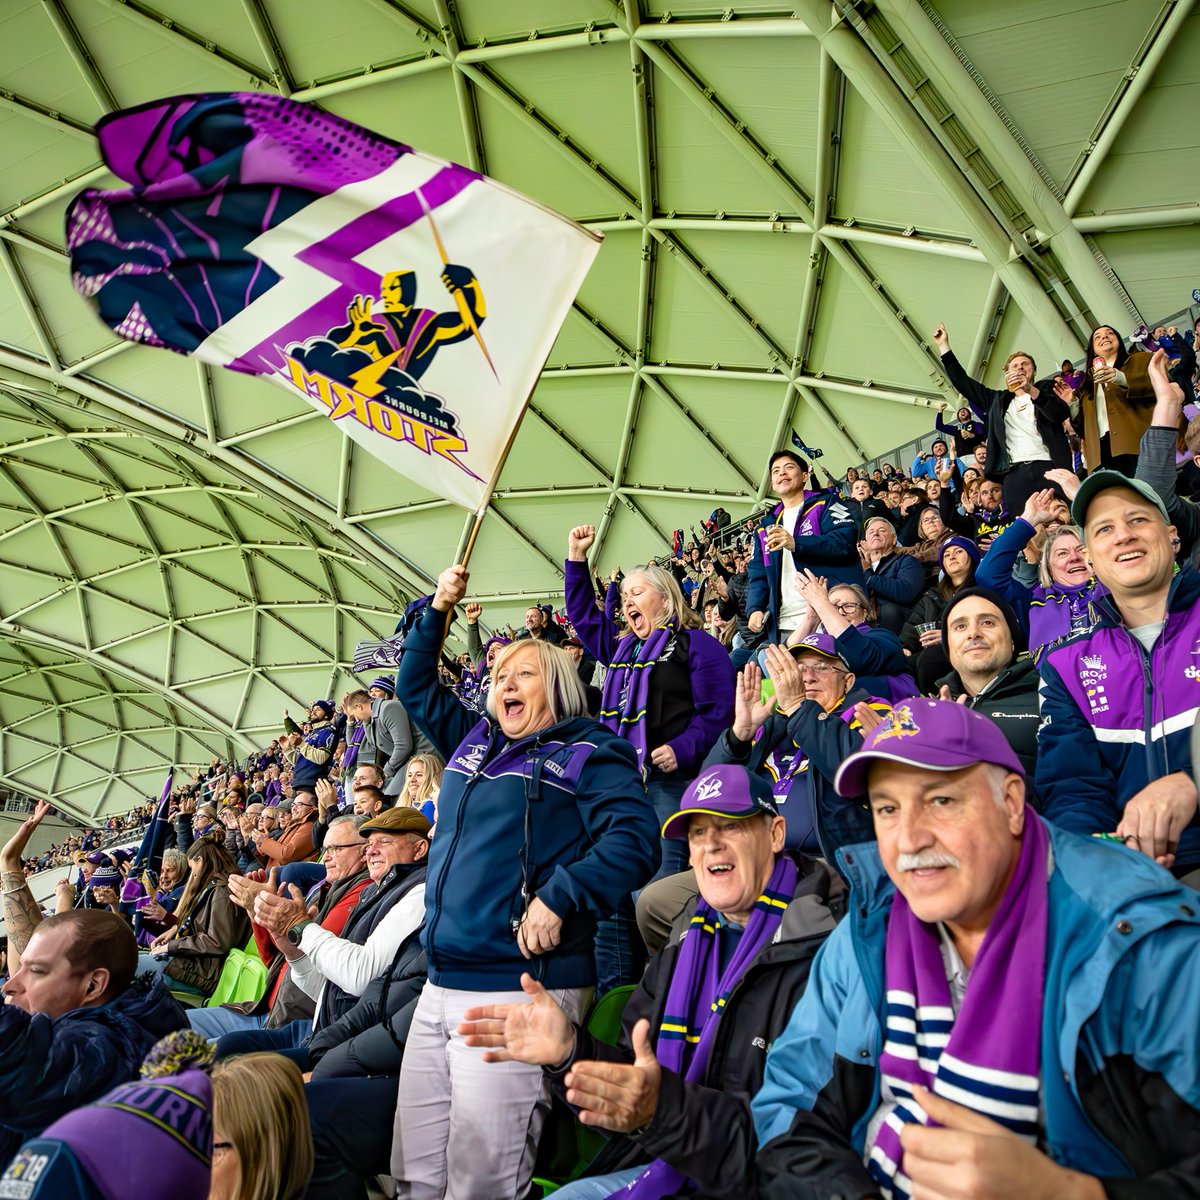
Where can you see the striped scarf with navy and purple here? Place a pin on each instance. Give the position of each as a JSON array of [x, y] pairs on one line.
[[988, 1056], [624, 704]]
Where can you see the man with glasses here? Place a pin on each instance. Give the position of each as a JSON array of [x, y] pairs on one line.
[[284, 1001], [796, 737], [296, 841], [335, 970]]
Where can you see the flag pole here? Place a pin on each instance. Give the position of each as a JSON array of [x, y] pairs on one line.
[[466, 312], [470, 533]]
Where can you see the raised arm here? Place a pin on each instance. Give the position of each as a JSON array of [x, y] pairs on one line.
[[22, 913], [980, 398], [437, 712], [596, 631]]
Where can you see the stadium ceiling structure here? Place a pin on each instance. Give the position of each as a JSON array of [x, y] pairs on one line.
[[792, 196]]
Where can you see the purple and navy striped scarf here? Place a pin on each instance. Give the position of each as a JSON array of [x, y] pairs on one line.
[[627, 686], [696, 1001], [988, 1057]]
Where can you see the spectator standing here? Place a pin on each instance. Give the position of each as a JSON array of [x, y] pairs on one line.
[[501, 901], [806, 529], [669, 686], [1115, 400], [1026, 435], [966, 432]]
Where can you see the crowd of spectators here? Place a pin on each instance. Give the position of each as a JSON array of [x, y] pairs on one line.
[[879, 805], [117, 827]]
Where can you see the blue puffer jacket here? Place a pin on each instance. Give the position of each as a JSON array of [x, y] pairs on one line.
[[1121, 1025], [1116, 717], [592, 835], [831, 550], [51, 1065], [1048, 615]]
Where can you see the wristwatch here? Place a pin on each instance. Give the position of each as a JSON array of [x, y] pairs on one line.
[[297, 932]]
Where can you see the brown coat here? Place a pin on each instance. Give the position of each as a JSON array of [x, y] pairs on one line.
[[214, 927], [1129, 410], [294, 844]]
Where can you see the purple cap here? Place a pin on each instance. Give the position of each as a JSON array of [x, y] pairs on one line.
[[938, 735], [818, 643], [99, 858], [728, 790]]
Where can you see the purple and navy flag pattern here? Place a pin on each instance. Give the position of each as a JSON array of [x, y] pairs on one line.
[[409, 299]]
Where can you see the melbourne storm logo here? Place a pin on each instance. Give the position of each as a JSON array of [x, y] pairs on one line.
[[369, 369]]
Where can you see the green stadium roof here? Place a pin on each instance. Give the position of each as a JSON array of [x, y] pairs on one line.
[[791, 196]]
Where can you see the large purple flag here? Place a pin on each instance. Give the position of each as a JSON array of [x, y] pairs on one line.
[[410, 300]]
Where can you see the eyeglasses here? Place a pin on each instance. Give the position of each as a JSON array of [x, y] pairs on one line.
[[848, 606], [819, 669], [341, 846]]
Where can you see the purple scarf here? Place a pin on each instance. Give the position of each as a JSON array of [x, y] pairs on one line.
[[627, 686], [696, 999], [988, 1057], [1057, 613], [353, 743]]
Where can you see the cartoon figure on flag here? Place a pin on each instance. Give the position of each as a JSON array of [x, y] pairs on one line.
[[272, 238], [403, 334]]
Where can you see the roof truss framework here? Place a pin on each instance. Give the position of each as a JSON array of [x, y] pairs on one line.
[[787, 213]]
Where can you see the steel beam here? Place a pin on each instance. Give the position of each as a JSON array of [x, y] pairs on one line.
[[1133, 86], [946, 73], [1119, 220], [81, 56]]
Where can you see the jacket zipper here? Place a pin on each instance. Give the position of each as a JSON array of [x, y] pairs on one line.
[[454, 840]]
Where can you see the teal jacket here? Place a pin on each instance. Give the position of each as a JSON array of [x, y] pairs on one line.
[[1120, 1035]]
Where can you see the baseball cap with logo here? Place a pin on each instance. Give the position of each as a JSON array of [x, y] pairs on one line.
[[818, 643], [1101, 481], [938, 735], [728, 790]]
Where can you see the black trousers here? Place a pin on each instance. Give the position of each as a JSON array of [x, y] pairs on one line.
[[352, 1118], [1021, 481]]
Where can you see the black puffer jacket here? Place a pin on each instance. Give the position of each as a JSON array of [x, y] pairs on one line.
[[370, 1038], [704, 1130], [1012, 702]]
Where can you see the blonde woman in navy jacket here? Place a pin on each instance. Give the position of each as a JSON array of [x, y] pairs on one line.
[[543, 826]]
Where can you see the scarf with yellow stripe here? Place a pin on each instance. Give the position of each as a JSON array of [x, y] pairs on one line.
[[623, 705], [697, 996]]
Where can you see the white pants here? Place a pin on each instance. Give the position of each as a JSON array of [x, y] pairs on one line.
[[467, 1129]]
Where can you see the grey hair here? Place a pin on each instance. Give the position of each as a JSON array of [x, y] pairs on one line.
[[675, 607], [997, 777], [177, 859], [1044, 576], [357, 820]]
